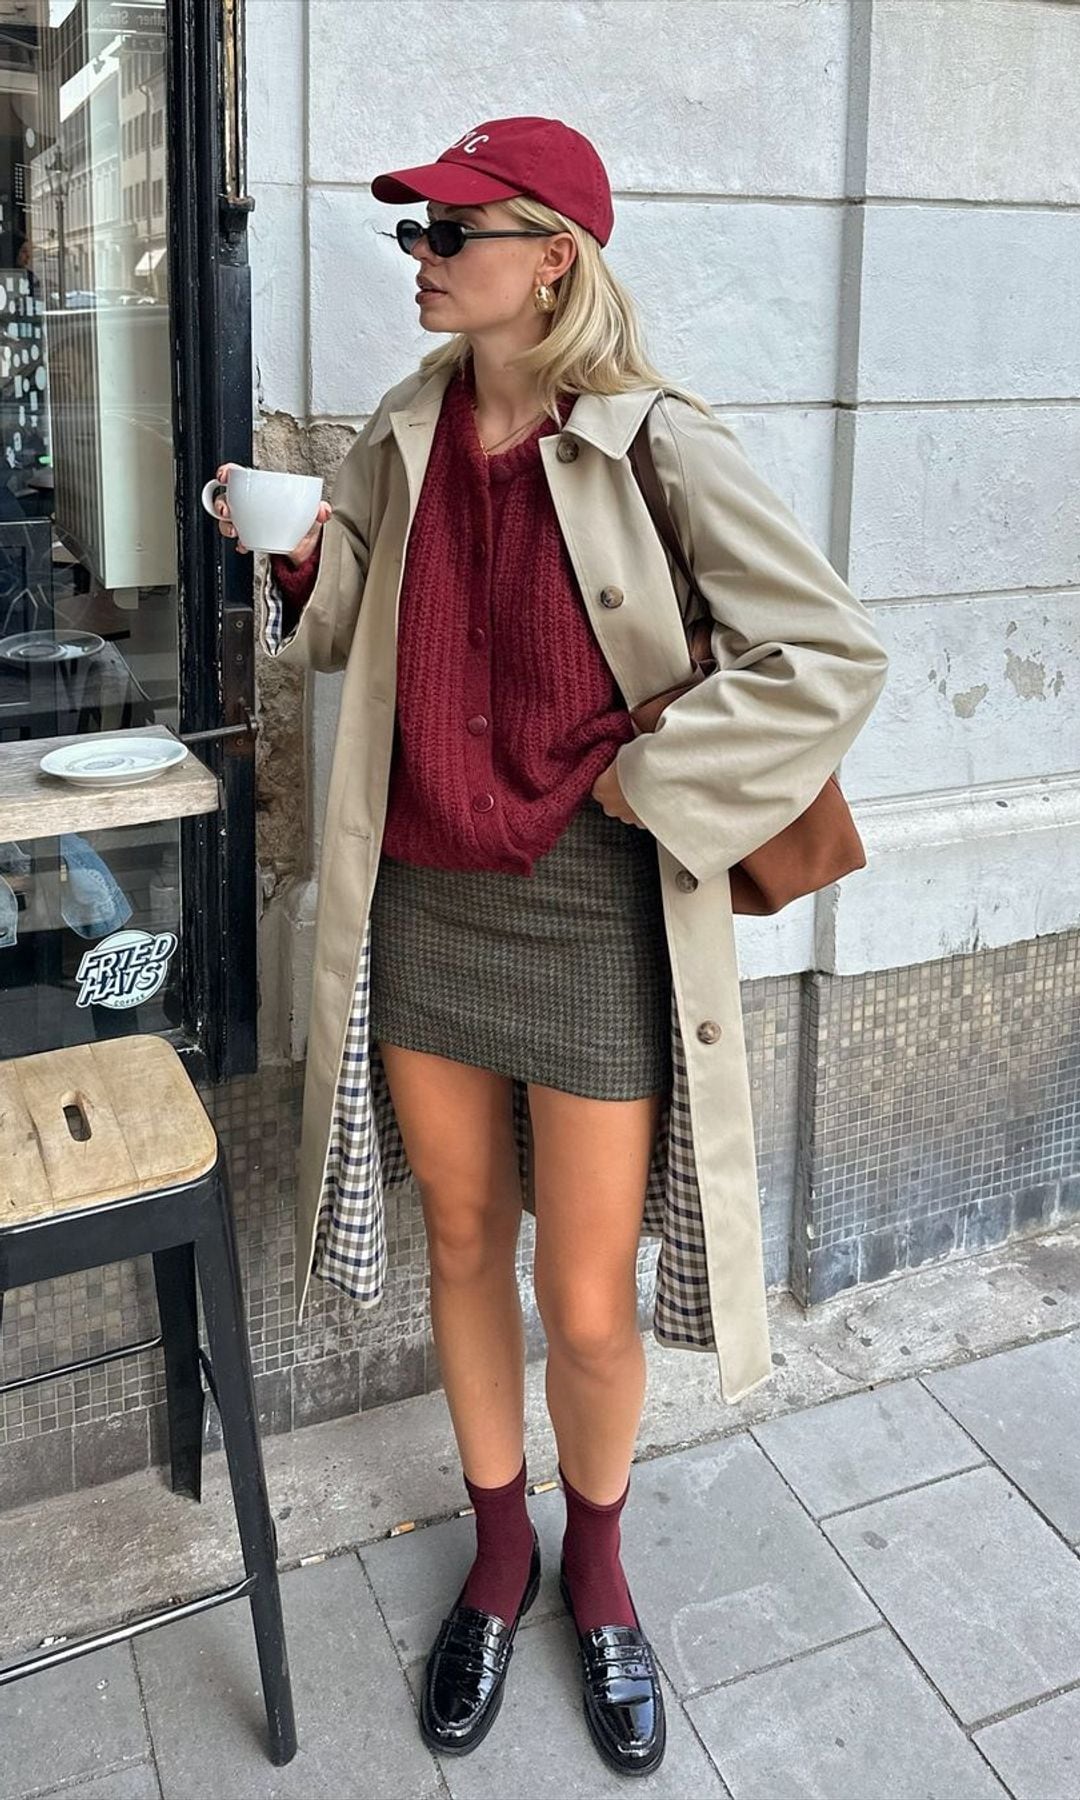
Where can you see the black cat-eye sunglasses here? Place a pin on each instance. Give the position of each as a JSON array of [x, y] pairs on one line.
[[447, 236]]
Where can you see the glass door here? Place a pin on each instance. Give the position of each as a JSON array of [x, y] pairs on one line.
[[110, 620]]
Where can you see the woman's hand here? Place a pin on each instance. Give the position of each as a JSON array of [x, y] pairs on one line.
[[606, 789], [299, 554], [308, 543]]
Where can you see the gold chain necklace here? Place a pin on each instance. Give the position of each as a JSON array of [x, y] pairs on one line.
[[489, 449]]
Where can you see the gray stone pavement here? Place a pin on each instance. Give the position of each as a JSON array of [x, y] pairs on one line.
[[875, 1595]]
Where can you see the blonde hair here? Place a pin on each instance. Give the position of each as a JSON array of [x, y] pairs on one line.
[[594, 344]]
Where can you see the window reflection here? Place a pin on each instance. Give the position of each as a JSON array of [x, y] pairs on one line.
[[88, 601]]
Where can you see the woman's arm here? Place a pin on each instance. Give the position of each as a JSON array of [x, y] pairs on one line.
[[745, 752], [309, 614]]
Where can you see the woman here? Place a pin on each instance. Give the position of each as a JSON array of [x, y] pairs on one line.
[[522, 902]]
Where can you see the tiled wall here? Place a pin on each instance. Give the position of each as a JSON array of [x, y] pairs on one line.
[[948, 1110], [928, 1111]]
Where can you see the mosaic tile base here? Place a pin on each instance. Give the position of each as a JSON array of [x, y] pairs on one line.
[[941, 1111]]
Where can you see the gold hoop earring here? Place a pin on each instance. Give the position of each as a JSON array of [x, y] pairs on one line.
[[545, 298]]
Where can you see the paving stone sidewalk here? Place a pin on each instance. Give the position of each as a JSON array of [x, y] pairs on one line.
[[879, 1595]]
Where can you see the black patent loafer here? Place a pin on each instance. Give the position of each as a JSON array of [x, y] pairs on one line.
[[466, 1671], [624, 1704]]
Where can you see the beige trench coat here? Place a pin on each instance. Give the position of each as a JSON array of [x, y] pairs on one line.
[[733, 761]]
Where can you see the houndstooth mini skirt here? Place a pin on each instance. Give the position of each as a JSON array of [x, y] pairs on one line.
[[561, 977]]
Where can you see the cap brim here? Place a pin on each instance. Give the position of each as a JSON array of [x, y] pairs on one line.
[[448, 183]]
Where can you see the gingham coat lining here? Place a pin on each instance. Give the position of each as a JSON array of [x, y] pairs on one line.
[[366, 1154]]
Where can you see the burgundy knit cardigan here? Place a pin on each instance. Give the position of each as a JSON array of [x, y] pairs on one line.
[[506, 709]]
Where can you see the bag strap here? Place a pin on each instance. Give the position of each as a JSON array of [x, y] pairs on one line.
[[653, 494]]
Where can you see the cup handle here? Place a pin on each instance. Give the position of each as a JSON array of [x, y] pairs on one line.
[[210, 492]]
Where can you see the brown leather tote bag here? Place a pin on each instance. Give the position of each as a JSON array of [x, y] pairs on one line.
[[818, 847]]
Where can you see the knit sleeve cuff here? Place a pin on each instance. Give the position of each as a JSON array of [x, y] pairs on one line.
[[293, 585], [296, 580]]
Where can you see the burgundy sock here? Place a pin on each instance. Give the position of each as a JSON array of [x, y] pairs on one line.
[[504, 1541], [594, 1573]]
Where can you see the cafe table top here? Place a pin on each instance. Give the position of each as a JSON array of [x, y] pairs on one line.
[[35, 805]]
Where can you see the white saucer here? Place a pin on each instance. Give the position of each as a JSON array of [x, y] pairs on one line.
[[97, 762], [50, 646]]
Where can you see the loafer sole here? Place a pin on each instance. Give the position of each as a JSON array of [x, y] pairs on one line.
[[621, 1766]]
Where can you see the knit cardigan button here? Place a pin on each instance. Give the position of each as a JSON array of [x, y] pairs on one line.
[[566, 450], [483, 802], [611, 596]]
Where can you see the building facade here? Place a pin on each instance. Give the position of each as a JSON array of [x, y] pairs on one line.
[[852, 225]]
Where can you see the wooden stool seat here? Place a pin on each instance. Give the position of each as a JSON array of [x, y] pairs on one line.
[[98, 1122]]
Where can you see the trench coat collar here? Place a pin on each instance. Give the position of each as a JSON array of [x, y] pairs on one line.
[[607, 421]]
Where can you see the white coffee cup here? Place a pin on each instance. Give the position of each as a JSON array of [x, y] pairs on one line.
[[271, 510]]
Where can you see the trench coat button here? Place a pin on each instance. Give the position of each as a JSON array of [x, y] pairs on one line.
[[611, 596], [476, 724], [709, 1031], [483, 802], [566, 450], [685, 882]]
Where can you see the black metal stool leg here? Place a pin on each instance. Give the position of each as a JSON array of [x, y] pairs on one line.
[[223, 1309], [174, 1276]]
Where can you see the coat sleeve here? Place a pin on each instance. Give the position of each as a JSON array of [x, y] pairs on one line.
[[800, 665], [321, 637]]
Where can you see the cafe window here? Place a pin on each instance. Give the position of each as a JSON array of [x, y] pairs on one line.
[[108, 618]]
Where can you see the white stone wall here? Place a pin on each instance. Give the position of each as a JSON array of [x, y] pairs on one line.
[[855, 228]]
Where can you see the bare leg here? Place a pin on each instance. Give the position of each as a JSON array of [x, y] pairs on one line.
[[592, 1163], [456, 1124]]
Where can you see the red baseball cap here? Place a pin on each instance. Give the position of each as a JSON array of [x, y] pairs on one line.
[[540, 158]]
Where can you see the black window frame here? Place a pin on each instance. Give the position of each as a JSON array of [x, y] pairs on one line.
[[210, 310]]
